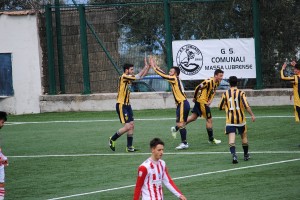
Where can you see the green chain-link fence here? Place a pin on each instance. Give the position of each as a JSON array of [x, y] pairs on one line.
[[126, 31]]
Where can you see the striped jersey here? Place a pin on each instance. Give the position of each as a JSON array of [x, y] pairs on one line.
[[296, 86], [206, 90], [176, 85], [151, 176], [234, 102], [123, 88]]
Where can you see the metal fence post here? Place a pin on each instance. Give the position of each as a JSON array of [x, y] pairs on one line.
[[84, 51], [59, 49], [168, 33], [50, 50], [256, 26]]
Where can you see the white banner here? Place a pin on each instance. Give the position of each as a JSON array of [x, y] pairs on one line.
[[198, 59]]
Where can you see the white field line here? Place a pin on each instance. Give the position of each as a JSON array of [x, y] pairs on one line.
[[183, 177], [135, 154], [116, 120]]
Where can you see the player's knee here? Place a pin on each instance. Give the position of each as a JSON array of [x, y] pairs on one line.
[[131, 125], [128, 126], [192, 118]]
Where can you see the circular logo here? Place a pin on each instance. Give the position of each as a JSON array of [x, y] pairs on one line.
[[189, 59]]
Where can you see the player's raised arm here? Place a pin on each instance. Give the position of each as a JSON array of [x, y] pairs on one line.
[[144, 71], [169, 78]]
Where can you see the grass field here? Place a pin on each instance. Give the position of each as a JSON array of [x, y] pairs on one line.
[[66, 156]]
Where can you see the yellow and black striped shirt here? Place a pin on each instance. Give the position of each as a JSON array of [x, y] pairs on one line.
[[176, 85], [234, 102], [296, 86], [206, 91], [123, 88]]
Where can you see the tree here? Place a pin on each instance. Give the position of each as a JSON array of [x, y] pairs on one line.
[[279, 23], [25, 4]]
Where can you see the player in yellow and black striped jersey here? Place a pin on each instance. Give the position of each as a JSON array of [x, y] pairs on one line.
[[296, 86], [183, 106], [123, 106], [234, 102], [203, 96]]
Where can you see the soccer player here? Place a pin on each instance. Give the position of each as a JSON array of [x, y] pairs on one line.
[[152, 173], [183, 106], [3, 158], [123, 106], [234, 102], [296, 86], [203, 96]]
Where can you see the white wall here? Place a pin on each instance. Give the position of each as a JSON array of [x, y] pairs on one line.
[[19, 36]]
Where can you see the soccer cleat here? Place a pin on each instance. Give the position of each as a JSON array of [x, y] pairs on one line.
[[112, 144], [214, 141], [182, 146], [234, 159], [246, 157], [173, 132], [131, 149]]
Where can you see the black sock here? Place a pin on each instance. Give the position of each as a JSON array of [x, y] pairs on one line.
[[129, 141], [115, 136], [245, 148], [183, 135], [232, 148], [210, 134]]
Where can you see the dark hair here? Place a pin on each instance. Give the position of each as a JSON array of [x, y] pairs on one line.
[[127, 66], [233, 81], [177, 70], [156, 141], [3, 115], [297, 66], [218, 71]]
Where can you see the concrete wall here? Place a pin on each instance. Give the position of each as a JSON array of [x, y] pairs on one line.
[[159, 100], [19, 36]]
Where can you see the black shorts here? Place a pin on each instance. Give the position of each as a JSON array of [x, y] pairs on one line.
[[202, 110], [182, 111], [125, 113], [233, 129]]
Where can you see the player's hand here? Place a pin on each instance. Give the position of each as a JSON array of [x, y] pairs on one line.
[[3, 159], [146, 64], [194, 100], [5, 163], [182, 197], [208, 103], [151, 62], [284, 66], [253, 118]]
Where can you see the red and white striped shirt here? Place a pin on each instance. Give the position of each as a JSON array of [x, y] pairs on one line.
[[151, 175]]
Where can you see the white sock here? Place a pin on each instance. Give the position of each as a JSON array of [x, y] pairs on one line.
[[2, 193]]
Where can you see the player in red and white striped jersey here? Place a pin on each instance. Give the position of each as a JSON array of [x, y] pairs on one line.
[[152, 174], [3, 158]]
